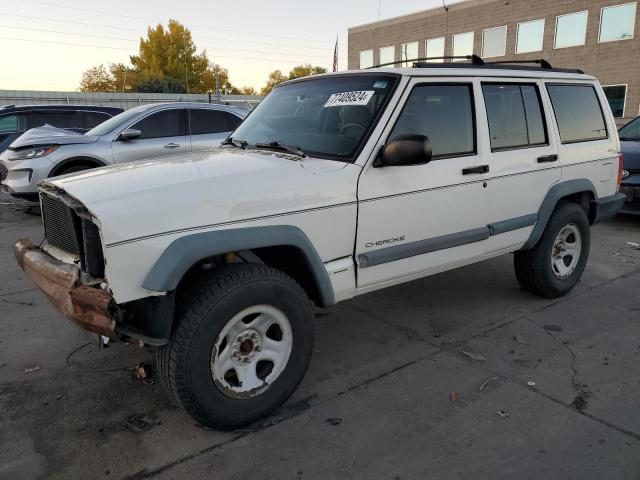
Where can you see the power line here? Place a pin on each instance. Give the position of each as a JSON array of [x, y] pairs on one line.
[[128, 49], [137, 30], [135, 41], [102, 12]]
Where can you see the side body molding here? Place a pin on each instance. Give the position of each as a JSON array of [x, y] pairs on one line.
[[186, 251], [555, 193]]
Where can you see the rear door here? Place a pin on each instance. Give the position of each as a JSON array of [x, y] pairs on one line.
[[209, 127], [162, 133], [523, 156]]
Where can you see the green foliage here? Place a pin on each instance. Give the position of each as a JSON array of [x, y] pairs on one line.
[[97, 79], [158, 85], [277, 77]]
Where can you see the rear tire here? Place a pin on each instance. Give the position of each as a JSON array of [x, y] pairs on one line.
[[556, 263], [241, 346]]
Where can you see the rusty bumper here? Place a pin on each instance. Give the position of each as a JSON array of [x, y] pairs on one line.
[[84, 305]]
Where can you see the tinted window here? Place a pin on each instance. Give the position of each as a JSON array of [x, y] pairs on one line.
[[211, 121], [444, 113], [13, 123], [514, 115], [617, 22], [55, 119], [91, 119], [578, 113], [530, 36], [167, 123], [616, 95], [571, 29], [631, 131]]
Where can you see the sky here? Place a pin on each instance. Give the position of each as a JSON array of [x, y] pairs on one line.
[[47, 44]]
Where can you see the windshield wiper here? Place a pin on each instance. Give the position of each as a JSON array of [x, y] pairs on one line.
[[236, 143], [281, 146]]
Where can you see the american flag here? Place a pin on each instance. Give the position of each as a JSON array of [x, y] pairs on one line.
[[335, 57]]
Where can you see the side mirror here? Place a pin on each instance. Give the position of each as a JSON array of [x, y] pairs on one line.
[[129, 134], [409, 149]]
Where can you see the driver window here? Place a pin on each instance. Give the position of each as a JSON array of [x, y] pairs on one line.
[[166, 123], [444, 113]]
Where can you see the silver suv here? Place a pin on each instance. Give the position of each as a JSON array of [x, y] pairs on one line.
[[141, 132]]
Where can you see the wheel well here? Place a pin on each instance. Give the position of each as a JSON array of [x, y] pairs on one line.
[[587, 201], [285, 258], [75, 162]]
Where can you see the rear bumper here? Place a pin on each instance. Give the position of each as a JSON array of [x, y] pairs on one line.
[[607, 207], [86, 306]]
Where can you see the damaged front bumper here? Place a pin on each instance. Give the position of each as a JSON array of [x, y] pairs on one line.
[[87, 306]]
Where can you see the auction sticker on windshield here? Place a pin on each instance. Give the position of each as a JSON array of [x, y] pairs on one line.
[[361, 97]]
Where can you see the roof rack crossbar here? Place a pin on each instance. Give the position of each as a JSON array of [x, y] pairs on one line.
[[540, 61], [474, 59]]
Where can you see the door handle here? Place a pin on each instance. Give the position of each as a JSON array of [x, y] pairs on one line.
[[478, 169], [172, 145], [548, 158]]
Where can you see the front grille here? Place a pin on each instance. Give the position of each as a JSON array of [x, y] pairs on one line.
[[3, 171], [74, 233], [60, 223]]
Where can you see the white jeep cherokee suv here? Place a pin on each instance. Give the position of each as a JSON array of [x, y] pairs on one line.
[[334, 186]]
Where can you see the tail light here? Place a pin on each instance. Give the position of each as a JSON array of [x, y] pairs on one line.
[[620, 164]]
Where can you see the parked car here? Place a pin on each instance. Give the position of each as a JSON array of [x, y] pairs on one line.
[[335, 186], [630, 143], [15, 120], [141, 132]]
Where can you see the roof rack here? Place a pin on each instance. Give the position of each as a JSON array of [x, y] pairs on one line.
[[477, 62]]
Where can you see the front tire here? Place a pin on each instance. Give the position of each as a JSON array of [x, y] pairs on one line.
[[241, 346], [556, 263]]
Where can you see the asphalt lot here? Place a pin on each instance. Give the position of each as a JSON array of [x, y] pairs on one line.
[[397, 387]]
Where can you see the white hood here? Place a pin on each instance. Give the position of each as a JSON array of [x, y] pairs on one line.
[[151, 197]]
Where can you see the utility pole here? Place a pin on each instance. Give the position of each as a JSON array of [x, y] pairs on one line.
[[186, 69], [218, 87]]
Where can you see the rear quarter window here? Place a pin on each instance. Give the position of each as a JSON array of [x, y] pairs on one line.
[[578, 113]]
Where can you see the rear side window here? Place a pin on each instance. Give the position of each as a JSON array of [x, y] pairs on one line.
[[445, 114], [92, 119], [55, 119], [202, 121], [166, 123], [515, 116], [578, 113]]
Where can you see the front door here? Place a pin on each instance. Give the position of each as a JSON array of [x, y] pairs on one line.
[[416, 220], [162, 133]]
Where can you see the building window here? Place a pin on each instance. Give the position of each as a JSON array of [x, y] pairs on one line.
[[530, 36], [515, 116], [366, 59], [387, 55], [616, 95], [462, 44], [578, 113], [494, 42], [617, 22], [434, 48], [571, 29], [409, 51]]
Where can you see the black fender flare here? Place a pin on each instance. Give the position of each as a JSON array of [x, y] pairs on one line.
[[66, 162], [186, 251], [554, 195]]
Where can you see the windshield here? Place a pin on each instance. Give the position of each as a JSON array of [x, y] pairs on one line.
[[327, 117], [631, 131], [115, 122]]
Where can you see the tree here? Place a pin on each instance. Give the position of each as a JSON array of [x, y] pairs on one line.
[[158, 85], [209, 78], [275, 78], [96, 79], [248, 91], [124, 78], [305, 71], [170, 53]]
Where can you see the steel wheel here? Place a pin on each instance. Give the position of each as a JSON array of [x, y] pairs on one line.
[[251, 351], [566, 250]]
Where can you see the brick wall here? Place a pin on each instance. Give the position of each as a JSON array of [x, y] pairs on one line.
[[612, 63]]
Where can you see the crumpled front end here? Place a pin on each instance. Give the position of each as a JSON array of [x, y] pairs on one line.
[[88, 306]]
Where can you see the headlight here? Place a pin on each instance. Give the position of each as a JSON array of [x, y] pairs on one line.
[[32, 153]]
